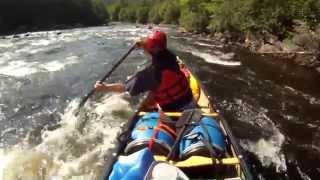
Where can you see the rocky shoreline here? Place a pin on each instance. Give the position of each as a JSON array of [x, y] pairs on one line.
[[303, 46]]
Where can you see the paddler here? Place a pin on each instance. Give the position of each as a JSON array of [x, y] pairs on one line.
[[168, 85]]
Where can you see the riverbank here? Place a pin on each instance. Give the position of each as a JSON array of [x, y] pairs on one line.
[[301, 47]]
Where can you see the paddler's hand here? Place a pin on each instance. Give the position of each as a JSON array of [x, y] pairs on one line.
[[139, 43], [100, 86], [114, 87]]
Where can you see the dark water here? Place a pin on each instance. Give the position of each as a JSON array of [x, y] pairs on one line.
[[272, 106]]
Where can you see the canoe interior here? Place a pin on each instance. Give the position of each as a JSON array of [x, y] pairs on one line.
[[220, 170]]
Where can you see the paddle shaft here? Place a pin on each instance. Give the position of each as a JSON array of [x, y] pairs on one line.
[[87, 96]]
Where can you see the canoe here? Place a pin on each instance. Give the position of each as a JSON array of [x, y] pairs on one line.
[[230, 165]]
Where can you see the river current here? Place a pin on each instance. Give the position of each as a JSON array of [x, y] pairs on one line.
[[272, 106]]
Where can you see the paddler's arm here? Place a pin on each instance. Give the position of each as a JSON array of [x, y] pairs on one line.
[[114, 87], [141, 82]]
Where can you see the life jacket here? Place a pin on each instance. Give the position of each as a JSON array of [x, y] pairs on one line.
[[173, 86]]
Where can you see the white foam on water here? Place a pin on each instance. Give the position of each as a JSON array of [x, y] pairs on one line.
[[6, 44], [302, 174], [67, 154], [58, 65], [29, 50], [21, 68], [3, 163], [17, 162], [268, 148], [35, 51], [41, 42], [312, 100], [53, 66], [214, 59], [217, 57], [209, 45], [268, 151], [2, 116], [5, 57], [18, 68], [228, 56]]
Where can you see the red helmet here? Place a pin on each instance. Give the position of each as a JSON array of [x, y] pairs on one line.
[[155, 42]]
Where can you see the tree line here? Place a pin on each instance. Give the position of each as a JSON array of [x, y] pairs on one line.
[[257, 16], [26, 15]]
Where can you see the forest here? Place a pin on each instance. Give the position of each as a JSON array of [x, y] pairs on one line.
[[30, 15], [257, 16]]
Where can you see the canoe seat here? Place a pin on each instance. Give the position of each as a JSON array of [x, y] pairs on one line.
[[194, 161], [178, 114]]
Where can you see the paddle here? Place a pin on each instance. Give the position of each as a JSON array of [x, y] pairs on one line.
[[87, 96]]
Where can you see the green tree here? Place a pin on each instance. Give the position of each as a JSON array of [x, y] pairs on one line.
[[154, 15], [142, 14], [114, 11], [123, 14], [99, 10], [194, 21], [170, 12], [311, 12], [256, 16], [193, 17]]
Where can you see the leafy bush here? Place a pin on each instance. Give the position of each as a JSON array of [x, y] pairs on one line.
[[127, 14], [194, 21], [154, 15], [142, 15], [170, 12], [114, 11], [100, 10], [256, 16], [311, 12], [39, 14]]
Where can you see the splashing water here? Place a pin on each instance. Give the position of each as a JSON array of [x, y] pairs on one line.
[[268, 146], [64, 153], [268, 151], [40, 74], [210, 58], [215, 57]]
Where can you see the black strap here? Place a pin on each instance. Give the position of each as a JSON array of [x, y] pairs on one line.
[[207, 143], [184, 121]]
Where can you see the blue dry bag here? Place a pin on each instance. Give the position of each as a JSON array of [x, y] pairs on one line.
[[132, 167], [200, 135], [143, 132]]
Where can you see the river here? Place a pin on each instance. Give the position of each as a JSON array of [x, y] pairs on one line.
[[272, 106]]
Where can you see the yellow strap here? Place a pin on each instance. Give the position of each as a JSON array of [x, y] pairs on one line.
[[194, 161], [178, 114], [200, 161]]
